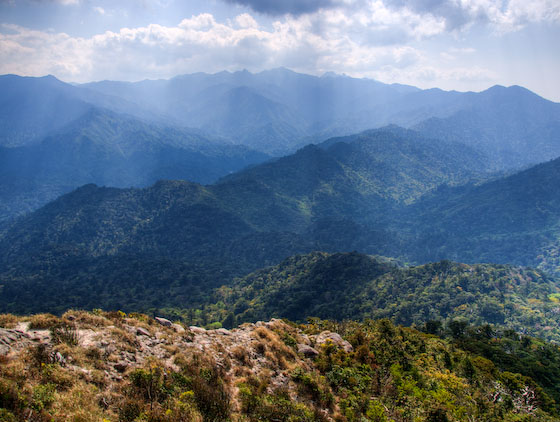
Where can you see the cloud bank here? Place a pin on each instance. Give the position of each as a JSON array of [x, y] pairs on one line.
[[367, 38]]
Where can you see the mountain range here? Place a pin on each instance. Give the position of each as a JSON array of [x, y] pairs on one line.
[[167, 194], [277, 110], [201, 127]]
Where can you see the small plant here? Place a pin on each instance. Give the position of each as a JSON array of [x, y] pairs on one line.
[[148, 383], [7, 416]]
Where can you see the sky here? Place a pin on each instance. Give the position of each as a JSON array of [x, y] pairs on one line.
[[451, 44]]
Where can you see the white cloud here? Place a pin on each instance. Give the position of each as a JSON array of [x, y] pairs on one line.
[[246, 21], [308, 43], [371, 38], [99, 10], [502, 15]]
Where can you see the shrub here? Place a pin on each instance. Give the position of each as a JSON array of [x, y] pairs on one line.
[[7, 416], [148, 383], [64, 333], [43, 396]]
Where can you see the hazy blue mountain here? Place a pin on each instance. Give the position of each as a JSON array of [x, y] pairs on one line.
[[513, 126], [279, 110], [32, 107], [110, 149], [248, 118]]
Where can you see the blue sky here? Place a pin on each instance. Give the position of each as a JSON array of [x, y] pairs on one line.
[[451, 44]]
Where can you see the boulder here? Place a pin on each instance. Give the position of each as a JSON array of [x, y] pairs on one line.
[[164, 322], [334, 338], [307, 351], [142, 332], [197, 330]]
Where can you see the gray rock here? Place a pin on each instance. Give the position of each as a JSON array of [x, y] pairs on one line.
[[197, 330], [164, 322], [178, 328], [334, 338], [11, 340], [307, 351], [304, 339], [142, 332], [223, 332]]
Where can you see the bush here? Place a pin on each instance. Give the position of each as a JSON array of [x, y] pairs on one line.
[[43, 396], [64, 333]]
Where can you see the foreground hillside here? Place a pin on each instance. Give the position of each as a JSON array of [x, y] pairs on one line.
[[116, 367]]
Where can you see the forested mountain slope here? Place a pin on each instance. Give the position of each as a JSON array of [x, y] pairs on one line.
[[513, 219], [356, 286], [513, 126], [317, 198]]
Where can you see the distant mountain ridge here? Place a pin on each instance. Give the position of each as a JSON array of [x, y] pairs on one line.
[[362, 178], [388, 192], [201, 127], [512, 219], [279, 110], [337, 196], [110, 149]]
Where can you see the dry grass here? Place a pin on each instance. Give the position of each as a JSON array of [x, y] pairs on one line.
[[241, 354], [124, 340], [80, 404], [43, 321], [275, 344], [86, 319], [55, 374], [8, 320]]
